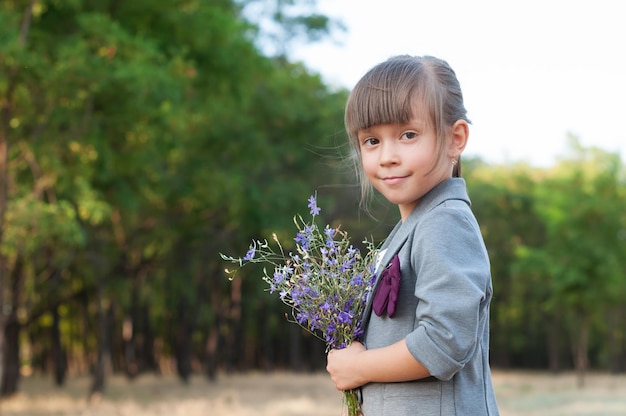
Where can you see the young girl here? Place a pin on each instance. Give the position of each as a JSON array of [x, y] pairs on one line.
[[425, 350]]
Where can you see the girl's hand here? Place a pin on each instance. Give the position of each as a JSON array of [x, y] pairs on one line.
[[343, 366]]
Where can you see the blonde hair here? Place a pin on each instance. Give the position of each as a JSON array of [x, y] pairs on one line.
[[388, 94]]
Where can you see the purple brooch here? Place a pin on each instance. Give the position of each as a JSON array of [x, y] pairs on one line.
[[386, 295]]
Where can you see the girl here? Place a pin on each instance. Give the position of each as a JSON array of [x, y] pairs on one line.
[[425, 349]]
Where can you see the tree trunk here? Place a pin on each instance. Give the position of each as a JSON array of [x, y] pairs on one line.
[[11, 358], [295, 349], [128, 338], [4, 151], [11, 375], [213, 338], [269, 349], [616, 341], [232, 348], [6, 111], [183, 342], [103, 360], [581, 346], [553, 341], [58, 352], [129, 329], [146, 346]]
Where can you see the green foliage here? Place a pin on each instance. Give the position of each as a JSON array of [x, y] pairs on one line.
[[34, 225], [554, 240], [145, 137]]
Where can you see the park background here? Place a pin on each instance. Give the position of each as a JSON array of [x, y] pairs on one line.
[[138, 140]]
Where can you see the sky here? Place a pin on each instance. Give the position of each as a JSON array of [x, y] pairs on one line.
[[532, 71]]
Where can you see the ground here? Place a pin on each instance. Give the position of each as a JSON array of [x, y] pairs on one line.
[[282, 394]]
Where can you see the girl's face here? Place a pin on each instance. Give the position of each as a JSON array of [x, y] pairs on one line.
[[402, 162]]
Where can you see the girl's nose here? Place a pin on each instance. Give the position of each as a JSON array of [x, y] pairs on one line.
[[388, 153]]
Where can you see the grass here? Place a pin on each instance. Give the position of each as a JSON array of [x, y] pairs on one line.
[[278, 394]]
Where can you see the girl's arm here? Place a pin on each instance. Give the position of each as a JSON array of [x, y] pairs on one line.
[[355, 366]]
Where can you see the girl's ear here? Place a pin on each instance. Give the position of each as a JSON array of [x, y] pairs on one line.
[[459, 136]]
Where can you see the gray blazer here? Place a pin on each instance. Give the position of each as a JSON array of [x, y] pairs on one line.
[[442, 311]]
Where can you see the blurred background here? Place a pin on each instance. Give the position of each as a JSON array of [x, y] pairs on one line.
[[138, 140]]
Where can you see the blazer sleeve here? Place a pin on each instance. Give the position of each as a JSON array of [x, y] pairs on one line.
[[452, 288]]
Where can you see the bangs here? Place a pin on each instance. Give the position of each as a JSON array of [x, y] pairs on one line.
[[387, 94]]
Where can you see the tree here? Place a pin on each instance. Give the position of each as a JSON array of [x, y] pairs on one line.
[[503, 200], [16, 41], [142, 143], [581, 204]]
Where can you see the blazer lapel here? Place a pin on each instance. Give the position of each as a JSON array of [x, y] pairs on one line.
[[392, 245]]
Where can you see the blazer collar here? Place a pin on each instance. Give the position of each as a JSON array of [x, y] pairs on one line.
[[453, 188]]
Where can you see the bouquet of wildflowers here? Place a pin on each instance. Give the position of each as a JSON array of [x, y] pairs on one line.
[[325, 280]]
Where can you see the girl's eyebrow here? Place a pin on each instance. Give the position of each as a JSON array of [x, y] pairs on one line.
[[364, 131]]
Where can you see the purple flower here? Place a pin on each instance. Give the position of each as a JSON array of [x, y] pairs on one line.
[[301, 239], [344, 318], [278, 277], [302, 318], [305, 237], [296, 295], [347, 264], [325, 307], [250, 254], [372, 271], [357, 333], [325, 280], [357, 280], [386, 295], [330, 334], [315, 210]]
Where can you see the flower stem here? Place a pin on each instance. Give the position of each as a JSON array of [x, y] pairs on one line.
[[351, 399]]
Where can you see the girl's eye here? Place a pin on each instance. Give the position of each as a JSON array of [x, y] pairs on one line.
[[409, 135], [370, 141]]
